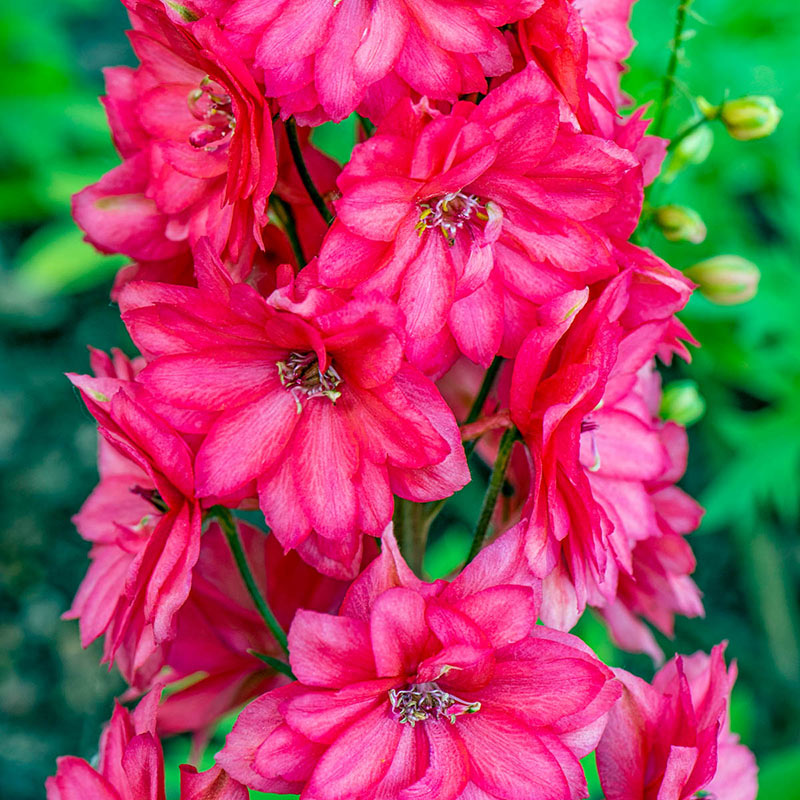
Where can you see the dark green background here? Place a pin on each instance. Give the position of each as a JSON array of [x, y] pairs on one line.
[[745, 458]]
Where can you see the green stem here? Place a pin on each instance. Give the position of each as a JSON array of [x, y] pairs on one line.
[[672, 67], [283, 212], [305, 176], [688, 131], [495, 484], [412, 524], [480, 399], [228, 525]]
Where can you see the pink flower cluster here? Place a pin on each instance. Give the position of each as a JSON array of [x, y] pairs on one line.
[[318, 343]]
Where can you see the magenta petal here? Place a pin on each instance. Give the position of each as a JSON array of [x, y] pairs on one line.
[[447, 773], [213, 380], [243, 443], [358, 759], [323, 716], [509, 760], [213, 784], [325, 458], [76, 780], [330, 651], [429, 287], [503, 613], [375, 208], [399, 631]]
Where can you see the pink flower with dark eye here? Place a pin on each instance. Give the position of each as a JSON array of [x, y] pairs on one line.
[[143, 521], [473, 218], [195, 133], [305, 399], [324, 59], [427, 690], [671, 740], [130, 765]]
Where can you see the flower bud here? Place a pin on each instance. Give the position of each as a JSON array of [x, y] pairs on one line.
[[682, 403], [680, 224], [752, 117], [725, 280]]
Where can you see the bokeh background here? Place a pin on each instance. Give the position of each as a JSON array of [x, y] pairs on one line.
[[745, 456]]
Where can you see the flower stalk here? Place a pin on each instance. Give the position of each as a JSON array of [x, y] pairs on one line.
[[228, 525], [668, 84], [302, 169], [496, 482]]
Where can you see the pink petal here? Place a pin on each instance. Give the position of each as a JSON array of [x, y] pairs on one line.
[[348, 768], [330, 651], [399, 631], [244, 443]]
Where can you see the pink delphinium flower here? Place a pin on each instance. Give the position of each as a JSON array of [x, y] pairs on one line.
[[195, 133], [324, 59], [218, 629], [130, 765], [470, 219], [427, 690], [672, 740], [311, 402], [143, 521], [577, 396]]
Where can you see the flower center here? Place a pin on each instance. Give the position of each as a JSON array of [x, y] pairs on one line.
[[301, 375], [211, 105], [421, 701], [450, 214]]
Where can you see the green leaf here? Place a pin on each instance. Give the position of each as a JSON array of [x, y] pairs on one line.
[[56, 259]]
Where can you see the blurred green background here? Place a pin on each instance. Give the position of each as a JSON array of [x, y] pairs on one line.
[[745, 457]]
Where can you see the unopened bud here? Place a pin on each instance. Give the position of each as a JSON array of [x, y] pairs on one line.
[[682, 403], [746, 118], [725, 280], [680, 224]]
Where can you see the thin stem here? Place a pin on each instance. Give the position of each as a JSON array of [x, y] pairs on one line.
[[283, 212], [495, 484], [305, 177], [433, 509], [679, 137], [228, 525], [480, 399], [412, 525], [672, 67]]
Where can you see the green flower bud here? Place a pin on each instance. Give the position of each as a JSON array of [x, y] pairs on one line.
[[752, 117], [682, 403], [725, 280], [680, 224]]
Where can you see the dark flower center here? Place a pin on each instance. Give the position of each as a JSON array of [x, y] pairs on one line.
[[211, 105], [301, 375], [450, 214], [421, 701]]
